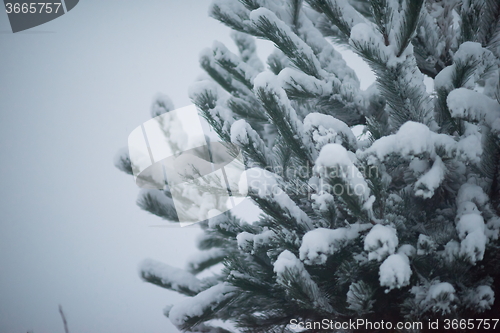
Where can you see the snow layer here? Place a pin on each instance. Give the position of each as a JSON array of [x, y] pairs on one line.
[[335, 157], [161, 104], [320, 243], [411, 139], [264, 184], [245, 241], [425, 245], [482, 60], [430, 181], [290, 78], [223, 55], [471, 105], [473, 246], [440, 296], [380, 242], [481, 298], [178, 278], [303, 51], [323, 201], [288, 269], [239, 132], [198, 259], [324, 129], [470, 224], [436, 296], [201, 87], [395, 272], [204, 301], [287, 261]]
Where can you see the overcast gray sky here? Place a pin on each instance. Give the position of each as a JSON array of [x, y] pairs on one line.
[[71, 91]]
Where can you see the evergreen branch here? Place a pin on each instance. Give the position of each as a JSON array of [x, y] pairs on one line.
[[208, 304], [228, 226], [360, 298], [382, 15], [63, 317], [406, 98], [336, 106], [340, 13], [252, 112], [470, 20], [283, 217], [230, 62], [327, 29], [212, 239], [206, 101], [300, 86], [247, 49], [250, 4], [170, 278], [275, 30], [295, 7], [276, 62], [251, 143], [205, 260], [298, 284], [282, 115], [122, 162], [216, 73], [158, 203], [409, 20], [232, 14]]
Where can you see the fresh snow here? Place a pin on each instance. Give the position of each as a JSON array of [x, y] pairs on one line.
[[287, 267], [471, 105], [425, 245], [264, 184], [470, 223], [411, 139], [201, 87], [286, 261], [197, 259], [291, 78], [436, 296], [195, 306], [473, 246], [239, 132], [324, 129], [334, 156], [430, 181], [303, 50], [395, 272], [221, 54], [178, 278], [245, 241], [380, 242], [440, 296], [320, 243], [481, 298], [322, 201], [161, 104]]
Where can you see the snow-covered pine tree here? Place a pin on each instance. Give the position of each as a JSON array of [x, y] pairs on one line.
[[401, 224]]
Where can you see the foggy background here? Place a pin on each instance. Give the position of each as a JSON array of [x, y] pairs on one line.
[[71, 91]]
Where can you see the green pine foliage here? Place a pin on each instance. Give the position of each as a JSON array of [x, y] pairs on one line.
[[398, 224]]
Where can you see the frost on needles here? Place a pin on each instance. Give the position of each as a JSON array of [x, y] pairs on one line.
[[399, 224]]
